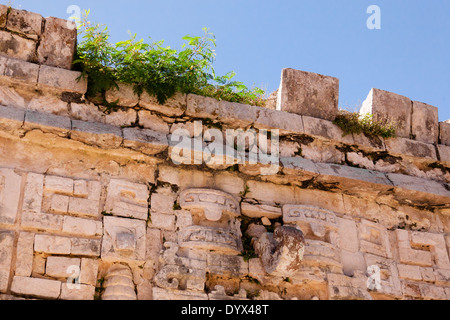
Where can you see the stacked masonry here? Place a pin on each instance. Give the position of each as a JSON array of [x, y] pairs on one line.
[[93, 205]]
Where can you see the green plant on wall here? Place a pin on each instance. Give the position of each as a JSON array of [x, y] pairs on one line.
[[157, 69]]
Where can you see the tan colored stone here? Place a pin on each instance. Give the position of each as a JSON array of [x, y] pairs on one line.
[[52, 244], [325, 129], [82, 227], [59, 36], [86, 112], [162, 221], [409, 272], [444, 153], [260, 210], [24, 22], [77, 292], [24, 259], [84, 207], [12, 99], [402, 146], [86, 247], [444, 133], [309, 94], [6, 252], [3, 15], [23, 71], [285, 122], [148, 120], [98, 134], [9, 195], [49, 104], [89, 270], [146, 141], [61, 80], [62, 267], [174, 107], [425, 123], [391, 107], [39, 288], [127, 199], [121, 118], [17, 47], [124, 95], [348, 235], [50, 123]]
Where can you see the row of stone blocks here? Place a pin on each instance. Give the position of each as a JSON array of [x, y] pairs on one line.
[[317, 96], [28, 36]]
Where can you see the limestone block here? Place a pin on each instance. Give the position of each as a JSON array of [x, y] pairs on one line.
[[88, 272], [22, 71], [83, 207], [431, 292], [86, 247], [301, 168], [82, 227], [309, 94], [77, 292], [151, 121], [174, 107], [425, 122], [444, 153], [11, 98], [52, 244], [325, 129], [343, 287], [163, 203], [374, 239], [98, 134], [281, 253], [127, 199], [419, 185], [402, 146], [162, 221], [17, 47], [42, 221], [26, 23], [348, 235], [58, 43], [24, 260], [11, 118], [123, 239], [61, 80], [444, 132], [39, 288], [49, 104], [285, 122], [409, 272], [62, 267], [408, 255], [374, 143], [47, 122], [390, 107], [146, 141], [9, 195], [3, 15], [260, 210], [124, 95], [166, 294], [219, 264], [437, 245], [6, 254], [86, 112], [121, 118]]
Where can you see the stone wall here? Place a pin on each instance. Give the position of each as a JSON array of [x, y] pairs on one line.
[[101, 204]]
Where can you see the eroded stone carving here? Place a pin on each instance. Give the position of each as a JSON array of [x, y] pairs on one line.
[[281, 253], [212, 202], [119, 284]]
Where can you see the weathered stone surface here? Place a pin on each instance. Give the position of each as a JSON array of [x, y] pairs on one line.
[[52, 244], [59, 36], [402, 146], [144, 140], [425, 122], [309, 94], [17, 47], [119, 284], [11, 118], [9, 96], [444, 132], [77, 292], [9, 195], [284, 122], [174, 107], [88, 272], [22, 70], [121, 118], [39, 288], [49, 104], [123, 239], [47, 122], [151, 121], [444, 153], [86, 112], [98, 134], [61, 80], [24, 22], [260, 210], [390, 107], [6, 254], [62, 267], [3, 15], [281, 253], [24, 258], [127, 199], [124, 95], [82, 227], [86, 247], [325, 129], [420, 185]]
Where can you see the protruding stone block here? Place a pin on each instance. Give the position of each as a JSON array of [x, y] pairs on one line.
[[39, 288], [124, 95], [3, 15], [27, 23], [98, 134], [389, 107], [444, 132], [174, 107], [58, 43], [308, 94], [425, 122], [62, 267], [61, 80], [22, 70], [146, 141], [17, 47]]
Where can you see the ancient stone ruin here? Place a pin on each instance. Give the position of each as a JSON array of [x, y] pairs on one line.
[[109, 205]]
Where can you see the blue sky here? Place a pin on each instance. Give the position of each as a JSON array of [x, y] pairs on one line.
[[409, 55]]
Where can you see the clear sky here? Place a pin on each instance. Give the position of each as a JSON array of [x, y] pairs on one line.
[[409, 55]]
